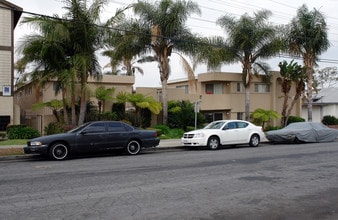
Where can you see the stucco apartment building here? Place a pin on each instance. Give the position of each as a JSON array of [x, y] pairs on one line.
[[221, 95], [218, 95], [9, 17], [30, 93]]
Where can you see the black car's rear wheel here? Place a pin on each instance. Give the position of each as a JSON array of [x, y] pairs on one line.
[[133, 147], [254, 140], [58, 151], [213, 143]]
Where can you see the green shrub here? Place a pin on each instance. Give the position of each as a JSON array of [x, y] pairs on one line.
[[22, 132], [164, 129], [329, 120], [54, 128], [176, 133], [293, 119], [112, 116], [271, 128]]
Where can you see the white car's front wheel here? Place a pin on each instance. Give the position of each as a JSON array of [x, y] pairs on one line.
[[213, 143]]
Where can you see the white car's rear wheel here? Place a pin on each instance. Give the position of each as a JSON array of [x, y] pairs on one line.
[[254, 140], [213, 143]]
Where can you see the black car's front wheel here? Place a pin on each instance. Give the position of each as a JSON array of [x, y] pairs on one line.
[[58, 151], [133, 147]]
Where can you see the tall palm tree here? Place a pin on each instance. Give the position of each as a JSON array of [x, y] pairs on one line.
[[46, 52], [249, 40], [85, 40], [307, 37], [168, 32]]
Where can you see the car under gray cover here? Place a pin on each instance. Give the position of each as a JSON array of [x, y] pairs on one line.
[[302, 132]]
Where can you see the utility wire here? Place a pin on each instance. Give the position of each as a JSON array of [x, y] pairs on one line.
[[322, 60]]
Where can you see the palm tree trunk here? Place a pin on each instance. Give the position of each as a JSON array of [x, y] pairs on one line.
[[64, 106], [284, 110], [165, 100], [309, 75], [82, 106], [247, 102], [73, 110], [164, 75], [294, 101]]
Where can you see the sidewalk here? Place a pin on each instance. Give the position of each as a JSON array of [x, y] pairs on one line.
[[164, 144]]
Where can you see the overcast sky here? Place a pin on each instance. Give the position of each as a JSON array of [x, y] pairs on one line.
[[283, 11]]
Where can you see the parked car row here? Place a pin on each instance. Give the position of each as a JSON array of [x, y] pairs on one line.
[[105, 135], [235, 132]]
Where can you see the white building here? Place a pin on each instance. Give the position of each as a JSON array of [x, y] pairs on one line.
[[324, 103]]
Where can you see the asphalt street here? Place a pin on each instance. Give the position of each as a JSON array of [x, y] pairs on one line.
[[271, 182]]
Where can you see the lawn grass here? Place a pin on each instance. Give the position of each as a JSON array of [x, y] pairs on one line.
[[13, 142]]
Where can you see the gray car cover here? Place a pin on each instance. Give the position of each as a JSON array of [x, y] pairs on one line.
[[303, 132]]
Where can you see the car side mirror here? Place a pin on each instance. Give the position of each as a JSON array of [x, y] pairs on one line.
[[83, 132]]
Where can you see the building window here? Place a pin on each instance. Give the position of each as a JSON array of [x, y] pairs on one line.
[[240, 87], [216, 88], [262, 87], [185, 87], [214, 116], [240, 115]]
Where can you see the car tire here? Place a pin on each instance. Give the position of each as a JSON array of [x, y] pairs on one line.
[[133, 147], [58, 151], [213, 143], [254, 140]]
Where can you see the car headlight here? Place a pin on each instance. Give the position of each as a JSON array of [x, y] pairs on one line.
[[198, 135], [36, 143]]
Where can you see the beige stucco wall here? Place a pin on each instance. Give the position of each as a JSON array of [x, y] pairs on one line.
[[6, 27], [231, 101], [6, 57]]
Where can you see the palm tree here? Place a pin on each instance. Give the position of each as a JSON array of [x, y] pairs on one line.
[[249, 40], [47, 54], [261, 116], [85, 40], [168, 32], [102, 95], [307, 37], [126, 43], [139, 101], [291, 73]]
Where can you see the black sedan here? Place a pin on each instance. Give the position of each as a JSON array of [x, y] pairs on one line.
[[301, 132], [93, 137]]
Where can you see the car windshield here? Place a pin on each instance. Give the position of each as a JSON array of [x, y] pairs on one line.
[[215, 125], [74, 130]]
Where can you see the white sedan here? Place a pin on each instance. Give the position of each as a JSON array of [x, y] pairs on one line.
[[224, 132]]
